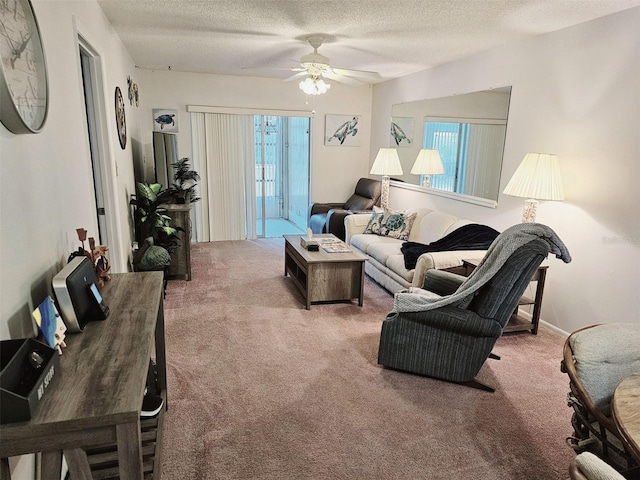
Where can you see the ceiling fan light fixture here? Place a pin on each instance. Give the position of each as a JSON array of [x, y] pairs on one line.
[[314, 86]]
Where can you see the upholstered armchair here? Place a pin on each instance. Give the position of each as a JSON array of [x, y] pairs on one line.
[[447, 329], [329, 217]]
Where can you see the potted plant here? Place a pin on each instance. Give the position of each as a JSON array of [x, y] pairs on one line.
[[151, 219], [185, 181]]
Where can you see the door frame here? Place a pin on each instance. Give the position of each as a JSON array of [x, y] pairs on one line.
[[98, 152]]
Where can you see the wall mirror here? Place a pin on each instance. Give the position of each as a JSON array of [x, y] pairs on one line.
[[468, 130]]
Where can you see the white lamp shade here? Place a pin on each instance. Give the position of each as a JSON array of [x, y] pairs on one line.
[[428, 162], [537, 177], [387, 162]]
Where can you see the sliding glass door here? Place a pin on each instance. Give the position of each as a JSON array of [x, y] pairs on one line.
[[281, 174]]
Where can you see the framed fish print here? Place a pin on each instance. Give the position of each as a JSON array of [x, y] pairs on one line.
[[342, 130], [165, 120], [402, 131]]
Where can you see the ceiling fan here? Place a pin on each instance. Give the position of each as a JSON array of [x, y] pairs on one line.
[[315, 66]]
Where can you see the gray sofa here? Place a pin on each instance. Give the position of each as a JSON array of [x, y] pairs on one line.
[[386, 262]]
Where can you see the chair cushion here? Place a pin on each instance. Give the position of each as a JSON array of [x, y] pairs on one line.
[[605, 355], [594, 468], [390, 223], [358, 202], [369, 188]]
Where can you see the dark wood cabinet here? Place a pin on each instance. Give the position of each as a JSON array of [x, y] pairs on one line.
[[180, 266]]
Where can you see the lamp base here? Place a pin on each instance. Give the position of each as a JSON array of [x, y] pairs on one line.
[[384, 197], [530, 209], [426, 181]]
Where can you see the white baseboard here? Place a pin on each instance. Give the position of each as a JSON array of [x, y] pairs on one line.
[[551, 327]]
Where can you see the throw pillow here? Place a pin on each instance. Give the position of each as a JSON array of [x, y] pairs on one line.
[[390, 223]]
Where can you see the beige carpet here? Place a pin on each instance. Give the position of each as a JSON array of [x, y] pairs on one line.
[[260, 388]]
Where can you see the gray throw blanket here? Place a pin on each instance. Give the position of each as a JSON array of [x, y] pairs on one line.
[[501, 249]]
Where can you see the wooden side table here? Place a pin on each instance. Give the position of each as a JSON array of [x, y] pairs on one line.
[[518, 322]]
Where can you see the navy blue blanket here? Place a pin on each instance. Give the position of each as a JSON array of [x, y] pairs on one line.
[[468, 237]]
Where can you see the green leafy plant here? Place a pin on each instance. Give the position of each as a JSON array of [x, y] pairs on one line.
[[185, 180], [151, 216]]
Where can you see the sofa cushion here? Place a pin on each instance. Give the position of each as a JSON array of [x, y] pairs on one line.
[[433, 226], [365, 242], [390, 223]]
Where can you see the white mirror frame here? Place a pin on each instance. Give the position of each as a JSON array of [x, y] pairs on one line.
[[461, 197]]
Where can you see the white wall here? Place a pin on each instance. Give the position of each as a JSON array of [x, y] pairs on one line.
[[46, 179], [334, 170], [576, 93]]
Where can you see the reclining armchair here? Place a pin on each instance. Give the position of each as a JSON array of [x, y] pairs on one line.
[[447, 329], [329, 217]]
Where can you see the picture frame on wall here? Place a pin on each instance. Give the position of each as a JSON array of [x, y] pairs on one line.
[[342, 130], [402, 131], [165, 120]]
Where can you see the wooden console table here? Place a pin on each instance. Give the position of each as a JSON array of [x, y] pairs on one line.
[[94, 403], [518, 323]]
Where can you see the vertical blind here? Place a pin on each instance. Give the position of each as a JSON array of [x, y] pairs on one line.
[[224, 154]]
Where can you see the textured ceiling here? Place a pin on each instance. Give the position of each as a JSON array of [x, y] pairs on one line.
[[394, 38]]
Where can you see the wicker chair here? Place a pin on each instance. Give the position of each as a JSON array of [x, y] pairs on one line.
[[593, 428]]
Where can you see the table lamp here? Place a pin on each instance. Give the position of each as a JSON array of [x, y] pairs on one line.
[[427, 163], [537, 178], [386, 163]]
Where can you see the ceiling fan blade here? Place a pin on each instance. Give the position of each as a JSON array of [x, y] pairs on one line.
[[358, 73], [297, 76], [332, 75]]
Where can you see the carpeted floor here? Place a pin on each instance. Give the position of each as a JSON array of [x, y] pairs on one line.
[[260, 388]]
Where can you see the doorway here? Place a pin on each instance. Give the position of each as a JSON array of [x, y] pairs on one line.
[[282, 149], [90, 67]]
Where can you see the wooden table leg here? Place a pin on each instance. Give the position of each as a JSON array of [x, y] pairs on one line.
[[129, 451], [309, 284], [5, 471], [51, 464], [361, 297], [78, 464]]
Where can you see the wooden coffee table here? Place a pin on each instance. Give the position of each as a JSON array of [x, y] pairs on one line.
[[321, 276], [625, 410]]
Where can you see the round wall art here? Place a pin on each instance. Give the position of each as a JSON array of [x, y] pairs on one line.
[[24, 87], [121, 122]]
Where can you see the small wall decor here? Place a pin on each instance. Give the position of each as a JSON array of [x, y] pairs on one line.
[[342, 130], [402, 131], [121, 122], [165, 120], [133, 92]]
